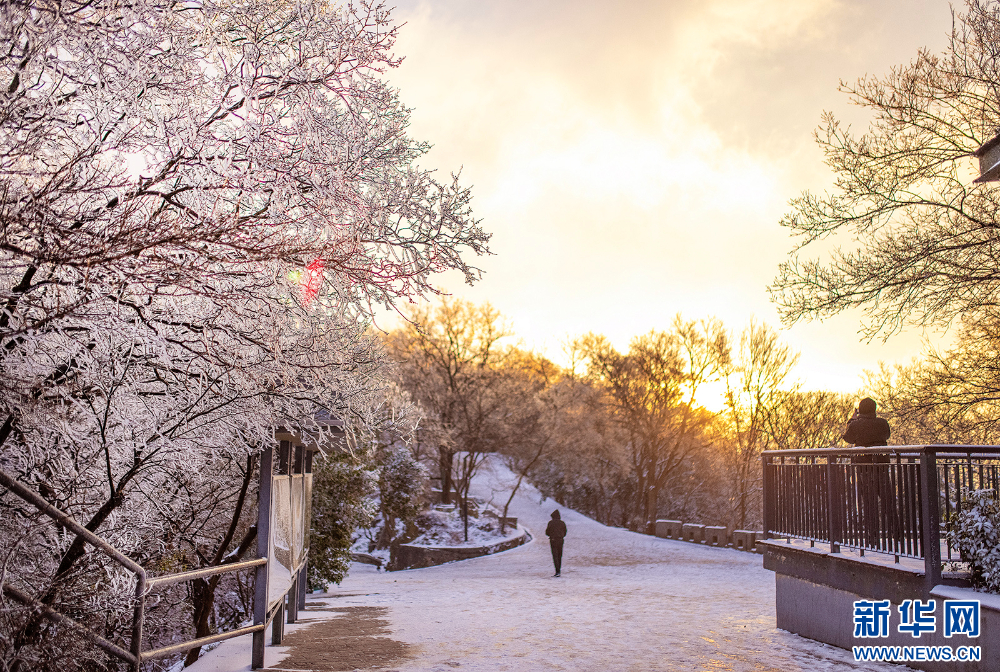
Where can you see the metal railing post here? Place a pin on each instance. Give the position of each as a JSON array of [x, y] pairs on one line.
[[293, 599], [930, 517], [278, 624], [263, 548], [770, 496], [138, 620], [833, 504], [303, 580]]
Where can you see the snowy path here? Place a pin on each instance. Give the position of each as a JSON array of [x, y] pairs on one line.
[[625, 601]]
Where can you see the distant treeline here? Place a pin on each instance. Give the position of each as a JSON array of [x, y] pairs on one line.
[[623, 436]]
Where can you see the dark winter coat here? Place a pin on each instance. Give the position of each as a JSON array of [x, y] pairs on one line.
[[867, 430], [556, 529]]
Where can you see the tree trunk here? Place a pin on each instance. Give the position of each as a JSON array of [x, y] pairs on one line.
[[638, 504], [445, 459], [203, 591], [387, 534], [651, 506], [520, 478], [203, 600]]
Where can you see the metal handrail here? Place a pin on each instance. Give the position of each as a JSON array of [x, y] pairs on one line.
[[265, 613], [136, 656], [938, 449], [68, 521], [203, 641], [168, 579]]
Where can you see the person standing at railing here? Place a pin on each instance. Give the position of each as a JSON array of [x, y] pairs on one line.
[[875, 491], [865, 428]]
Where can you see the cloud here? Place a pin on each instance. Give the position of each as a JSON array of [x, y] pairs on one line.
[[592, 103], [633, 159]]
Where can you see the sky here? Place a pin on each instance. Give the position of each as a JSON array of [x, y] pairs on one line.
[[633, 159]]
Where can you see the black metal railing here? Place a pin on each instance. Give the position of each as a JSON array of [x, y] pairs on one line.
[[873, 498]]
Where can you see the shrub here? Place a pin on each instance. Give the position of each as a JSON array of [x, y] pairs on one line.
[[340, 506], [976, 533]]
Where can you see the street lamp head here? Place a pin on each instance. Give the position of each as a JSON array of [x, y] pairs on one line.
[[989, 161]]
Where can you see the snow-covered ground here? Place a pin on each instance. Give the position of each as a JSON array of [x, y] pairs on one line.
[[625, 601]]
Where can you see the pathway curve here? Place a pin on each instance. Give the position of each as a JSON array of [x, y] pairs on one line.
[[625, 602]]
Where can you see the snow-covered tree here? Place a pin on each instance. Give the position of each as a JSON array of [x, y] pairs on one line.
[[906, 234], [200, 203], [342, 504], [975, 531], [756, 379], [651, 392], [450, 359]]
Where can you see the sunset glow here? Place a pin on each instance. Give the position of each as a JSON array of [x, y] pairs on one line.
[[633, 160]]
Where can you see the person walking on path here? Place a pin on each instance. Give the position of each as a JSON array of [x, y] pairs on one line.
[[556, 531]]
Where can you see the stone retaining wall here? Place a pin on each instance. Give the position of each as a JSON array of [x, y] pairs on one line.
[[816, 591], [716, 535], [411, 556]]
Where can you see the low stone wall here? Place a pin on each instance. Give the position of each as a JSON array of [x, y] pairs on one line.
[[745, 540], [669, 529], [711, 535], [367, 559], [411, 556], [815, 591], [716, 535], [694, 533]]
